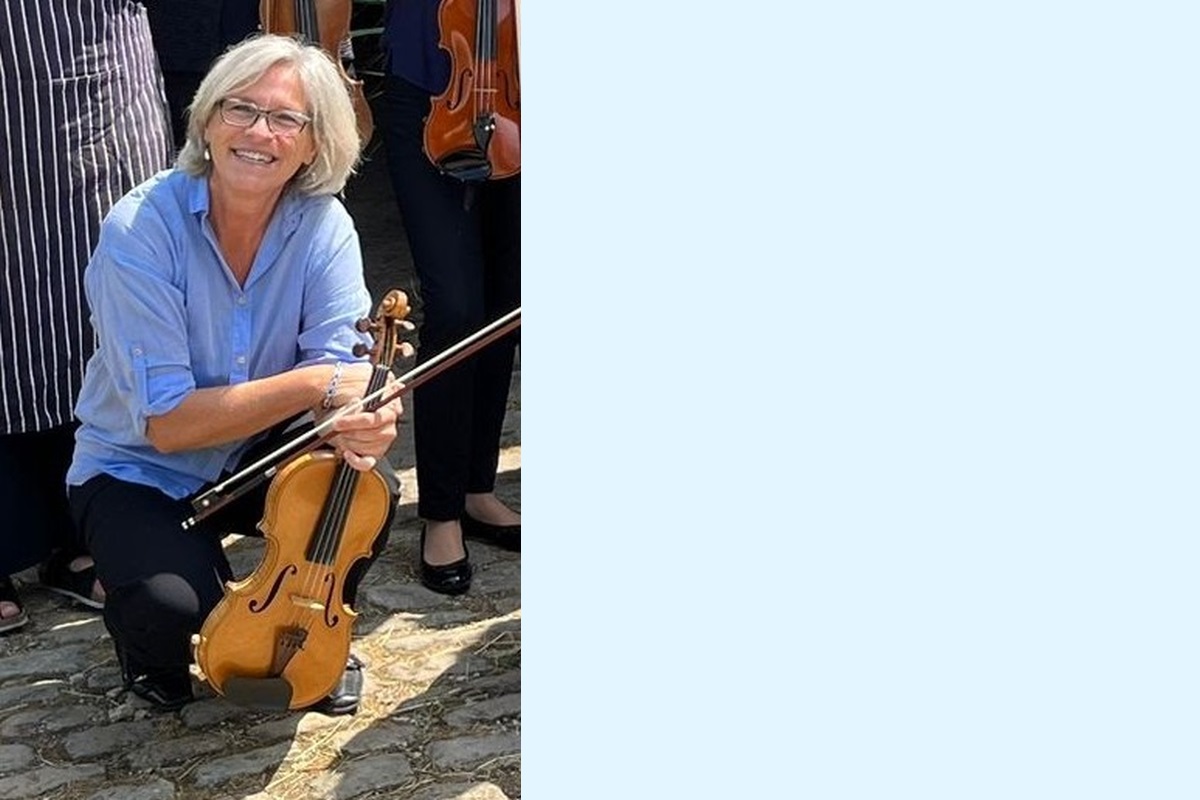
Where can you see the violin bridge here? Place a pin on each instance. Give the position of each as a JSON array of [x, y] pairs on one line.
[[307, 603], [289, 642]]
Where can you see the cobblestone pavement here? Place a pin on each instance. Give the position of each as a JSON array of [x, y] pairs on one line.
[[441, 713]]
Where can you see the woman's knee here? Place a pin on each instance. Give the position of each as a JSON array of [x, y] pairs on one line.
[[159, 603]]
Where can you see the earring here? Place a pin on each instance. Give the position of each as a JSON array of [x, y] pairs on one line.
[[207, 155]]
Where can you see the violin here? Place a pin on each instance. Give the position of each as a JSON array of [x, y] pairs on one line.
[[473, 131], [325, 23], [280, 637]]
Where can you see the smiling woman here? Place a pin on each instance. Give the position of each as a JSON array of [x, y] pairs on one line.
[[225, 294]]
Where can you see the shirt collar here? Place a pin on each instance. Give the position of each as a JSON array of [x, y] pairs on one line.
[[288, 211]]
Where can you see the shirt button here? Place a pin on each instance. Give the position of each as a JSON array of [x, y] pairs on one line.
[[241, 359], [241, 301]]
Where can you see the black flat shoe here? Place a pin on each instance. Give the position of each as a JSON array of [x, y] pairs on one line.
[[452, 578], [506, 536], [166, 691], [345, 697]]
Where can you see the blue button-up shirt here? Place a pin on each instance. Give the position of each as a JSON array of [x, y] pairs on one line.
[[171, 318]]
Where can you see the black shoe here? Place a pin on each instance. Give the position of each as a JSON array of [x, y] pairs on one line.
[[165, 690], [346, 695], [506, 536], [452, 578]]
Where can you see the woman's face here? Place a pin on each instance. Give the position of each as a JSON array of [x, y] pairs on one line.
[[256, 159]]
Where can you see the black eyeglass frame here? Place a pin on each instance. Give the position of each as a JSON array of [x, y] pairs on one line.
[[272, 115]]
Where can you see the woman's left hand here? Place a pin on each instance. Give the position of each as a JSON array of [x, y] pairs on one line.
[[364, 437]]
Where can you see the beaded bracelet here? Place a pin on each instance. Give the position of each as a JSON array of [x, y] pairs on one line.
[[331, 389]]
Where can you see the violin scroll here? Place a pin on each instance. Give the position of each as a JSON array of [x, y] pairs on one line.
[[385, 330]]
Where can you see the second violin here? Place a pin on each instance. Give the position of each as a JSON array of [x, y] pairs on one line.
[[473, 131]]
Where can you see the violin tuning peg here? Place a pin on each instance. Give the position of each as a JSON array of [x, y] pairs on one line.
[[363, 325], [407, 350], [408, 326], [360, 350]]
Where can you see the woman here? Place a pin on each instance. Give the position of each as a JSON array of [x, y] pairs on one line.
[[225, 294], [465, 238]]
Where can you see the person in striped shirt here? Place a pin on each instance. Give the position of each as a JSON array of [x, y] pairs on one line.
[[82, 120]]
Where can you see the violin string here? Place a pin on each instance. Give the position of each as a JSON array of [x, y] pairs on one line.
[[349, 477], [490, 69], [491, 61], [301, 615], [313, 568], [481, 58], [308, 22], [334, 515], [333, 518]]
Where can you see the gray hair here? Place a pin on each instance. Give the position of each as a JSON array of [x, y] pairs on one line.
[[334, 127]]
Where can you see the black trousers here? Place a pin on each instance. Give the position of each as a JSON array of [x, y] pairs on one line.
[[466, 245], [33, 496], [161, 580]]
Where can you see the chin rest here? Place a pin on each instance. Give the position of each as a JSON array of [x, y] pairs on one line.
[[267, 694]]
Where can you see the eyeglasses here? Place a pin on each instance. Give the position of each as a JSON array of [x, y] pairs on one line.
[[243, 114]]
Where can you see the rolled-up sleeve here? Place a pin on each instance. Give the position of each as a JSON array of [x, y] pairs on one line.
[[140, 318]]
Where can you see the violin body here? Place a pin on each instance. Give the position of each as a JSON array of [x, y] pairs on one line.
[[325, 23], [473, 131], [286, 625]]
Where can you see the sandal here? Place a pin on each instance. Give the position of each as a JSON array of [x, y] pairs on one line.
[[8, 594], [57, 576]]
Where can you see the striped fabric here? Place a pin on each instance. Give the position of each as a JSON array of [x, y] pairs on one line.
[[82, 120]]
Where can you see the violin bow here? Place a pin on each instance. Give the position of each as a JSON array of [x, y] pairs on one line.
[[265, 468]]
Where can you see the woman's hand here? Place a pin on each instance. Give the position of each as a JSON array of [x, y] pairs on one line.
[[363, 437]]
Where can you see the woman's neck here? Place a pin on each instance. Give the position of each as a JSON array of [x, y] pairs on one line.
[[240, 222]]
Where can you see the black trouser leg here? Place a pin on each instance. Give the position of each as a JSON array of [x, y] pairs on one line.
[[161, 580], [465, 243], [33, 497]]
